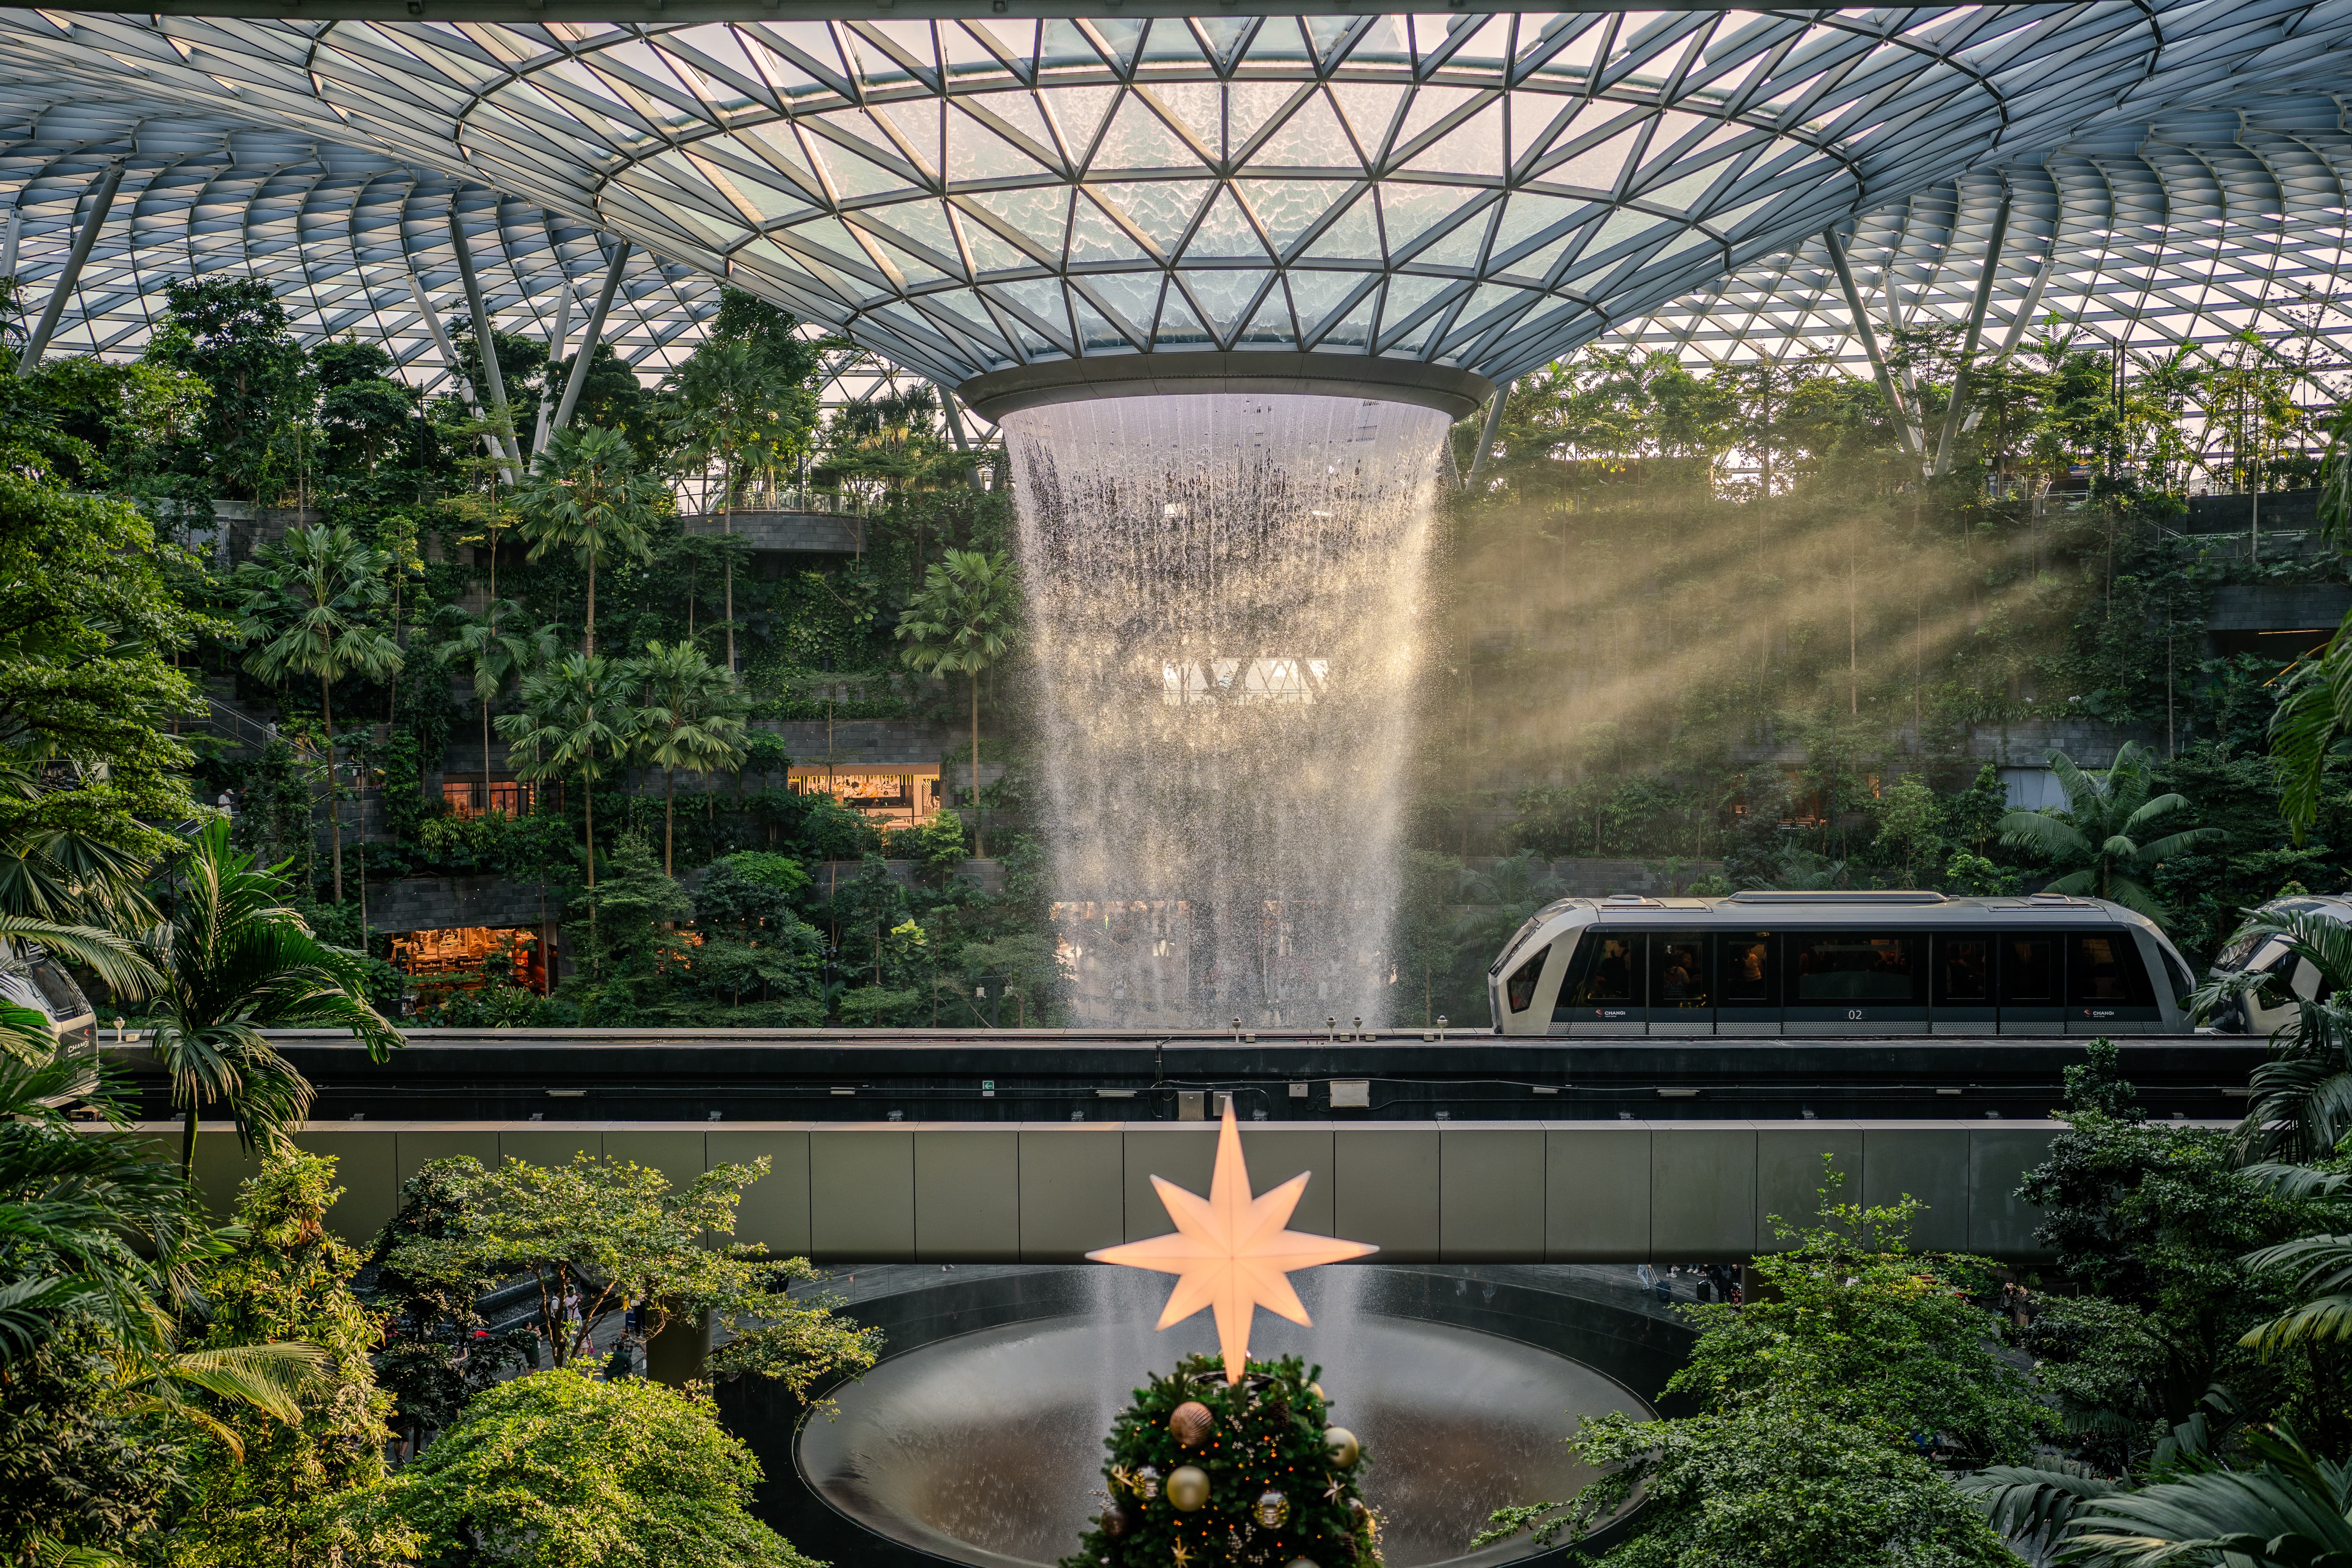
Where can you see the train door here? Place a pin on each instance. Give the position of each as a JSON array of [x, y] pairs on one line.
[[2032, 974], [1603, 989], [1747, 984]]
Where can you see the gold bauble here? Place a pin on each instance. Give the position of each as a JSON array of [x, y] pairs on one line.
[[1339, 1445], [1188, 1487], [1190, 1424], [1302, 1563]]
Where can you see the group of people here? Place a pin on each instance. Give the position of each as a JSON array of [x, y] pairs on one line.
[[1693, 1281]]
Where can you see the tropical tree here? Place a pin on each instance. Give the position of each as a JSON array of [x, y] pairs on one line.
[[309, 602], [575, 723], [491, 654], [2313, 721], [103, 1251], [745, 410], [587, 496], [2099, 841], [235, 961], [966, 620], [688, 714]]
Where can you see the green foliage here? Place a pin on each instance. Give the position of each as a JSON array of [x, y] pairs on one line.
[[560, 1470], [588, 497], [435, 1352], [1852, 1323], [235, 960], [1776, 1484], [2100, 843], [90, 621], [233, 335], [266, 1492], [77, 1468], [1818, 1398], [1266, 1435], [613, 1234]]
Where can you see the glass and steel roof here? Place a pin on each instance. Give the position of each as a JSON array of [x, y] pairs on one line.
[[1009, 205]]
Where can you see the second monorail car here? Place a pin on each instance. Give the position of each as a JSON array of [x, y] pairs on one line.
[[1838, 963]]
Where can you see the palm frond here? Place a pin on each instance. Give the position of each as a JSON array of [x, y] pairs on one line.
[[270, 1378], [2295, 1182], [2310, 723], [2025, 1500], [104, 952], [2289, 1510], [2032, 830]]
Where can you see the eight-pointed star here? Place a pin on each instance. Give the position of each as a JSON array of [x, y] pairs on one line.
[[1230, 1251]]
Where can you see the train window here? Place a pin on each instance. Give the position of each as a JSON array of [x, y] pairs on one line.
[[1851, 968], [2232, 958], [1678, 971], [1746, 977], [1963, 971], [2029, 971], [1606, 968], [2104, 969], [1520, 989]]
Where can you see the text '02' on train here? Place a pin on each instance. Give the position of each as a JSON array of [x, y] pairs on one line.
[[1839, 963]]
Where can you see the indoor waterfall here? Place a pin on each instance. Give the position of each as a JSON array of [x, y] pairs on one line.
[[1224, 593]]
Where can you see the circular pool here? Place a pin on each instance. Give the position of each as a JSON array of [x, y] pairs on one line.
[[981, 1441]]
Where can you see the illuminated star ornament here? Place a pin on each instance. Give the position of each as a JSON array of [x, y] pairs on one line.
[[1232, 1252]]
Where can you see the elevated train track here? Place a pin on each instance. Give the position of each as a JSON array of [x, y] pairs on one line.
[[1038, 1076]]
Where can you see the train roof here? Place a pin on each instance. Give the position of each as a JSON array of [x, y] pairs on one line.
[[1748, 908]]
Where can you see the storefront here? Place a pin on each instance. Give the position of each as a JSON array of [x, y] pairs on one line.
[[895, 796], [463, 958]]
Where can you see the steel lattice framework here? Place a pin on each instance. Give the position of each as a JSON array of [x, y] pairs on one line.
[[1004, 205]]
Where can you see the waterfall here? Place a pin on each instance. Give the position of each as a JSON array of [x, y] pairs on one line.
[[1226, 602]]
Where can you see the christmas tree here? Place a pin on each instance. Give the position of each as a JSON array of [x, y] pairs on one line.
[[1250, 1474]]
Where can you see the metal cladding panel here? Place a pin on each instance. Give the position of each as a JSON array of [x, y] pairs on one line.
[[1790, 1177], [2000, 1224], [1072, 1191], [367, 1167], [1597, 1193], [1703, 1191], [1491, 1191], [967, 1195], [861, 1193], [1184, 1155], [1387, 1183], [1930, 1164], [774, 1211], [1275, 1154]]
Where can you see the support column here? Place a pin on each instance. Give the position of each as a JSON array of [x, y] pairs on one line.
[[955, 429], [554, 356], [1953, 414], [457, 372], [482, 339], [1487, 436], [1870, 341], [8, 246], [594, 335], [35, 345]]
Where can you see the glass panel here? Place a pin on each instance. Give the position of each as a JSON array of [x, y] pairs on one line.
[[1605, 970], [2105, 968], [1678, 971], [2029, 972], [1746, 978], [1851, 968], [1963, 971], [1520, 989]]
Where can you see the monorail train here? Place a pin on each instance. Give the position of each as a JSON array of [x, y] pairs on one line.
[[1838, 963], [2261, 1011], [30, 977]]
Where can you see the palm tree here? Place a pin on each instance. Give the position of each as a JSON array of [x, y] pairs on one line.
[[2293, 1509], [492, 654], [965, 620], [726, 404], [689, 715], [312, 597], [236, 960], [575, 723], [2097, 839], [586, 496]]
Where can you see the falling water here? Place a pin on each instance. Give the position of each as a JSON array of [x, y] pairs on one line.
[[987, 1449], [1224, 597]]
